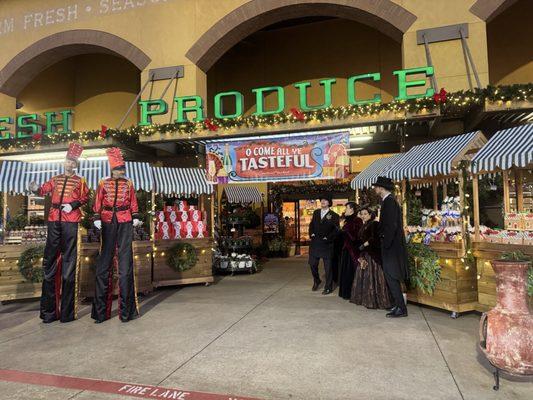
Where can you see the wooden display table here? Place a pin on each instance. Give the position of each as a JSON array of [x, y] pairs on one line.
[[457, 289], [142, 262], [13, 286], [485, 252], [202, 272]]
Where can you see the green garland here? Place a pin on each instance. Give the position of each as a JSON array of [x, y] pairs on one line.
[[30, 264], [182, 257], [457, 104], [424, 267]]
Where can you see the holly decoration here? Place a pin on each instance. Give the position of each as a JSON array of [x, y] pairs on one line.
[[440, 97], [103, 131], [210, 125], [37, 137], [297, 114]]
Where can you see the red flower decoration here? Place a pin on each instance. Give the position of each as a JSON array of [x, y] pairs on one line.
[[210, 125], [440, 97], [300, 116], [37, 136], [103, 131]]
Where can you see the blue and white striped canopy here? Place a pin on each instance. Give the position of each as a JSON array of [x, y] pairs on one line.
[[508, 148], [15, 176], [433, 158], [181, 181], [243, 194], [379, 167]]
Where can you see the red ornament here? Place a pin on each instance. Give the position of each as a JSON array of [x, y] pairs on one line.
[[300, 116], [37, 136], [103, 131], [440, 97], [210, 125]]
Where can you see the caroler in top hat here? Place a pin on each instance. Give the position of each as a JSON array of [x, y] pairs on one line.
[[115, 209], [393, 248], [60, 261]]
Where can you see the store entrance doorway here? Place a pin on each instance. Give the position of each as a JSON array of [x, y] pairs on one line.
[[297, 215]]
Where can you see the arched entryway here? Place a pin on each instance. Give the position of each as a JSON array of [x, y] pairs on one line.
[[385, 16], [91, 72], [510, 53]]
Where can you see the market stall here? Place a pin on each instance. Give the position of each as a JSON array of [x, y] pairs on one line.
[[442, 266], [509, 155], [21, 271], [183, 227]]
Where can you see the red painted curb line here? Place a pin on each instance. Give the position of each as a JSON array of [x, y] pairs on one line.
[[112, 387]]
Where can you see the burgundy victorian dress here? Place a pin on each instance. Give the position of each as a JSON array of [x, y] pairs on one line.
[[369, 287], [349, 255]]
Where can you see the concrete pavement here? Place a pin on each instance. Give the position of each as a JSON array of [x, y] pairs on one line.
[[265, 336]]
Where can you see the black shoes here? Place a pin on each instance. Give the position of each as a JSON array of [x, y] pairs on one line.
[[327, 291], [97, 321], [397, 313], [316, 285]]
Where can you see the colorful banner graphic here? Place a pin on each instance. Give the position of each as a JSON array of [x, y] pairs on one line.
[[279, 159]]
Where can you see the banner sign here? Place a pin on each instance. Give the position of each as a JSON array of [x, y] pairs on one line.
[[279, 159]]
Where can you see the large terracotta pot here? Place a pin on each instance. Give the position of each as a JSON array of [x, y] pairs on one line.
[[506, 331]]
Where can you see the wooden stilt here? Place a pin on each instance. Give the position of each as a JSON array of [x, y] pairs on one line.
[[506, 194], [435, 196], [519, 178]]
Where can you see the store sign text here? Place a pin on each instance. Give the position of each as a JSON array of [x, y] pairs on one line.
[[186, 105], [61, 121]]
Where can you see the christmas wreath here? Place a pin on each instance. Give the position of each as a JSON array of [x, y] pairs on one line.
[[30, 264], [182, 257]]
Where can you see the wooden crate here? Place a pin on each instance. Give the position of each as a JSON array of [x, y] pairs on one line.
[[485, 252], [141, 263], [202, 272], [13, 286], [457, 289]]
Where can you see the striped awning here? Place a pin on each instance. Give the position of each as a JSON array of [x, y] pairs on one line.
[[433, 158], [243, 194], [15, 176], [508, 148], [181, 181], [368, 176]]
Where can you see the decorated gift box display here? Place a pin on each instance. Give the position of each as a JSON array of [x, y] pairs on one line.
[[181, 221]]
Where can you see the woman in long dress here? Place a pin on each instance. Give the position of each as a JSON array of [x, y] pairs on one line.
[[350, 250], [369, 287]]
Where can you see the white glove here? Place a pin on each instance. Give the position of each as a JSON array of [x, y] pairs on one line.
[[98, 224], [33, 187], [136, 222], [66, 208]]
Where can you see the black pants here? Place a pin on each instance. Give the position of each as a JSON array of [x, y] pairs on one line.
[[116, 241], [395, 289], [313, 263], [59, 283]]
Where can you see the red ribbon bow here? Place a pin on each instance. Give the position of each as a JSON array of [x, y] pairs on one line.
[[37, 136], [210, 125], [300, 116], [103, 131], [440, 97]]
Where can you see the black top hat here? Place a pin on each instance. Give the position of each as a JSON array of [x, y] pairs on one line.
[[385, 183], [326, 197]]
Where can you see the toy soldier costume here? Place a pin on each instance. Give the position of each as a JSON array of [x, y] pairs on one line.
[[115, 209], [60, 261]]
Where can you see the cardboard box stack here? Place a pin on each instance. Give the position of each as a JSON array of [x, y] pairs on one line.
[[181, 221]]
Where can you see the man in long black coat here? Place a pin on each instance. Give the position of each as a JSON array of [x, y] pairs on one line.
[[323, 230], [393, 249]]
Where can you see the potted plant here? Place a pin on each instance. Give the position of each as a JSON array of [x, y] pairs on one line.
[[505, 331]]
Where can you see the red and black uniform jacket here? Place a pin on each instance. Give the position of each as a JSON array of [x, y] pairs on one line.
[[65, 189], [115, 196]]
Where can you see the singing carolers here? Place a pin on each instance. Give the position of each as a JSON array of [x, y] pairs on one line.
[[115, 210]]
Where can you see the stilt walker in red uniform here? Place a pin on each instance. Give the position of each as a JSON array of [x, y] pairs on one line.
[[60, 261], [115, 209]]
